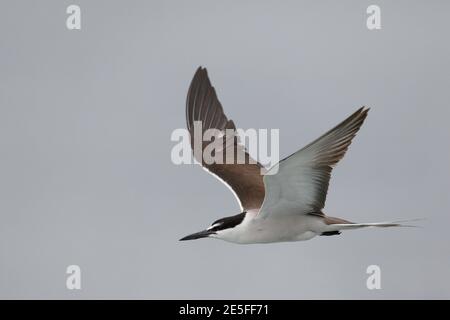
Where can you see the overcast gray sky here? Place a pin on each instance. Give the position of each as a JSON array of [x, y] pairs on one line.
[[85, 123]]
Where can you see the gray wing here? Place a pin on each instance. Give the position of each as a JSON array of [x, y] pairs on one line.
[[301, 184]]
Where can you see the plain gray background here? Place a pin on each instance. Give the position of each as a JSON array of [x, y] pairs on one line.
[[85, 124]]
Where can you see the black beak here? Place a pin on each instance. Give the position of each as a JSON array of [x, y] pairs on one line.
[[198, 235]]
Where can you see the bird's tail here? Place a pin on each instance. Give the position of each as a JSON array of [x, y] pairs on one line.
[[350, 225]]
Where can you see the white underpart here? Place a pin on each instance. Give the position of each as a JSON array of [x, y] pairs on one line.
[[283, 228], [273, 229]]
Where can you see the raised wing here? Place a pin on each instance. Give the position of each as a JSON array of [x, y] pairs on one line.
[[245, 180], [301, 184]]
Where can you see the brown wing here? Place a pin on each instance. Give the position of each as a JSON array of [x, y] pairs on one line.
[[245, 179]]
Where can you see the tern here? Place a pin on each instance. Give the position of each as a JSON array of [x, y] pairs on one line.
[[281, 207]]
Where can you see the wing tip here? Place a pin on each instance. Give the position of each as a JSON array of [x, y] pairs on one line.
[[357, 118], [201, 72], [364, 111], [361, 112], [200, 77]]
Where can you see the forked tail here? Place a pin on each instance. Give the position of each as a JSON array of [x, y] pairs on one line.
[[334, 228]]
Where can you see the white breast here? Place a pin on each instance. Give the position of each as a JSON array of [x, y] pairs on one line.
[[254, 229]]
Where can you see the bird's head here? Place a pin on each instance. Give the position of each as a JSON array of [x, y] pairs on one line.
[[218, 229]]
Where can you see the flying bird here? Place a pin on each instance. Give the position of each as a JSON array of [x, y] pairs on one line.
[[286, 206]]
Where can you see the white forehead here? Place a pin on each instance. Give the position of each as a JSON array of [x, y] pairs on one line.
[[214, 225]]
